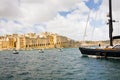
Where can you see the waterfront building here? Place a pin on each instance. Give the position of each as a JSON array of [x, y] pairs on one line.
[[7, 42], [20, 42], [33, 41], [62, 41], [4, 43]]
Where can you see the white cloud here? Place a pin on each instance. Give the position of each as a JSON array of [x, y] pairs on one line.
[[10, 9], [72, 26], [11, 27], [34, 11], [44, 10], [30, 12]]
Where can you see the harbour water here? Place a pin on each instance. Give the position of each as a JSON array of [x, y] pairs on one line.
[[56, 65]]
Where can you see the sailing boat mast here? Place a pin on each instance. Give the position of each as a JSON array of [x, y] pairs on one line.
[[110, 22]]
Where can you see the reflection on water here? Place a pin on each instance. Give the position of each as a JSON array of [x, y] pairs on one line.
[[55, 65]]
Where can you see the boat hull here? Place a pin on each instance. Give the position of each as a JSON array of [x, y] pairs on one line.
[[15, 52], [100, 53]]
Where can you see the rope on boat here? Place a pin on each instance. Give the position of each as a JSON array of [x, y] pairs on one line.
[[94, 26], [88, 17], [86, 25]]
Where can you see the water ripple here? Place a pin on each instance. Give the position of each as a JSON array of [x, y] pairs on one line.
[[54, 65]]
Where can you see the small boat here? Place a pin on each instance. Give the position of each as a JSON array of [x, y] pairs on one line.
[[15, 52], [41, 51], [106, 52], [60, 50]]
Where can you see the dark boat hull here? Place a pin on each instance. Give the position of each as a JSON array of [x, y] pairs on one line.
[[100, 52]]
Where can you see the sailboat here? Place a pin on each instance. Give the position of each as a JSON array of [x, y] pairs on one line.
[[107, 52]]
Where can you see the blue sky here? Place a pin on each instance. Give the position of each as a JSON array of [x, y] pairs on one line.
[[4, 19], [91, 4], [65, 13]]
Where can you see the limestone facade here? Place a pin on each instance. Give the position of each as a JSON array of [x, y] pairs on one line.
[[34, 41]]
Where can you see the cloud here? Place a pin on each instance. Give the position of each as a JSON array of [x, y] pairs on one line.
[[9, 9], [37, 11], [11, 27], [65, 17], [34, 11], [72, 25]]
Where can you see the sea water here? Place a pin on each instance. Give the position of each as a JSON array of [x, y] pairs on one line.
[[55, 65]]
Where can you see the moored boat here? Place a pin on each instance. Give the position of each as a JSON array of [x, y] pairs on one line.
[[15, 52], [41, 51], [60, 49], [112, 52]]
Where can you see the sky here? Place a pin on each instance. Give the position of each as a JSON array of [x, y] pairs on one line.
[[76, 19]]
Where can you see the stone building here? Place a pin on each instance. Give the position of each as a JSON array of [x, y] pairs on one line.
[[33, 41]]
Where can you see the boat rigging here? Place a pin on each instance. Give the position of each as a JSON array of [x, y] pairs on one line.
[[108, 51]]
